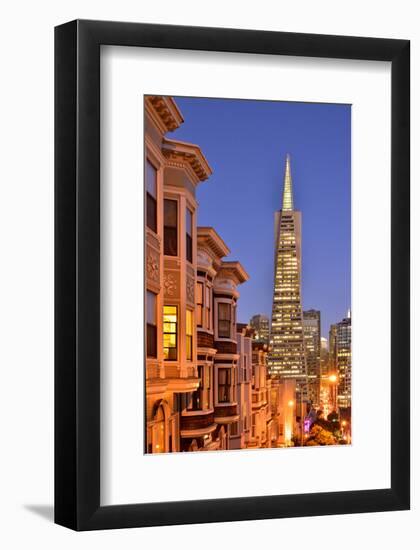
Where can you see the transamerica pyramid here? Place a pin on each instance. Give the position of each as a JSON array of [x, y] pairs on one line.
[[287, 357]]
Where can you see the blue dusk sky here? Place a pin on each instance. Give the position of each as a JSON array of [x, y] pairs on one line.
[[245, 143]]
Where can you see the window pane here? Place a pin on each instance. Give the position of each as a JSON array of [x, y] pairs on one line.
[[199, 314], [224, 311], [224, 384], [170, 245], [170, 329], [189, 322], [189, 348], [169, 354], [189, 252], [199, 309], [170, 213], [224, 329], [151, 179], [170, 236], [200, 293], [169, 340], [151, 307], [151, 213], [189, 221], [151, 340], [169, 313], [189, 332]]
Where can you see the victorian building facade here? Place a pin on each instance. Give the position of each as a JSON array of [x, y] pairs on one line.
[[173, 170]]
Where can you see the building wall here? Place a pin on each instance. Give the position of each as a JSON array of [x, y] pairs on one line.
[[312, 340], [344, 363], [170, 332]]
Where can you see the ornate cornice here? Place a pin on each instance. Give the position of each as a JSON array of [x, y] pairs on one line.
[[188, 155], [233, 271], [164, 112], [210, 242]]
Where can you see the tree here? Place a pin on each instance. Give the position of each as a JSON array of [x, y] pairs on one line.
[[319, 435]]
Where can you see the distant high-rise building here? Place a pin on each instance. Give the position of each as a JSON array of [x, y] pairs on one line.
[[324, 356], [332, 348], [312, 339], [261, 326], [344, 362], [287, 356]]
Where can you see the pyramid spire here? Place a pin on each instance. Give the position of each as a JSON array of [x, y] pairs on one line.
[[287, 190]]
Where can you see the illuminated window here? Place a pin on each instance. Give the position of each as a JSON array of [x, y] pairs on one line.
[[189, 334], [151, 196], [224, 385], [170, 234], [224, 319], [170, 330], [189, 241], [151, 324]]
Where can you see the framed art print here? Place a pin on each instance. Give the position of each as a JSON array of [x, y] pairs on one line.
[[232, 275]]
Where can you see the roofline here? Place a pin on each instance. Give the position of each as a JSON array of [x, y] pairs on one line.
[[190, 153], [237, 268], [164, 112], [213, 240]]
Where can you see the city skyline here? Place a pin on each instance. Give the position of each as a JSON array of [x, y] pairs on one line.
[[214, 383], [318, 139]]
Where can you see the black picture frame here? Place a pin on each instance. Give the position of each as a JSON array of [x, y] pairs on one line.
[[77, 275]]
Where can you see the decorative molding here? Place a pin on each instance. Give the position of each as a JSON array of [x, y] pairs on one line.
[[153, 271], [187, 155], [190, 290], [170, 285], [211, 242], [164, 112]]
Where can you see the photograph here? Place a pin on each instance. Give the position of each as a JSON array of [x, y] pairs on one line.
[[247, 237]]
